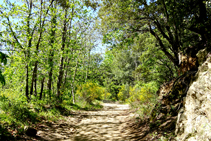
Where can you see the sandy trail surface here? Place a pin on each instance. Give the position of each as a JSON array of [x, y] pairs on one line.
[[107, 124]]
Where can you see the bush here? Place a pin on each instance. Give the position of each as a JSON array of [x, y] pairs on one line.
[[91, 91], [142, 94], [142, 97], [123, 93]]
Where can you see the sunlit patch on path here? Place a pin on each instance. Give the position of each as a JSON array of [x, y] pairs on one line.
[[107, 124]]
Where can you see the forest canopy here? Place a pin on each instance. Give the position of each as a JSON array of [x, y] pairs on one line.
[[177, 26], [50, 46]]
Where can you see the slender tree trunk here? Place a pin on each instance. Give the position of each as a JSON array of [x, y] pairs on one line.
[[52, 39], [27, 82], [65, 67], [61, 70], [50, 82], [53, 88], [28, 52], [35, 85], [42, 23], [67, 59], [42, 86], [33, 78], [174, 58], [73, 81]]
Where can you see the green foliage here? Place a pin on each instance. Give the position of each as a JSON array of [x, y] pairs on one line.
[[155, 66], [142, 94], [53, 61], [141, 97], [91, 91], [176, 26], [16, 107], [3, 59], [124, 92], [16, 112], [95, 105], [140, 63]]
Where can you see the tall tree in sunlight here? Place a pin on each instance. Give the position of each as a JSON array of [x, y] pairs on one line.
[[42, 21], [26, 25], [185, 25], [53, 41]]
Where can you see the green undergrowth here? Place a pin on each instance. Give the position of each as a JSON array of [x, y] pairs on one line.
[[142, 98], [16, 113]]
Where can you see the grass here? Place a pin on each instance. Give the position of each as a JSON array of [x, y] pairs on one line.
[[16, 114]]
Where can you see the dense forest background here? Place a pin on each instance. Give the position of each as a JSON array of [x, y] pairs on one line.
[[50, 52]]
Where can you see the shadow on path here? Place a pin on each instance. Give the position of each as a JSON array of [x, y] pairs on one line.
[[103, 125]]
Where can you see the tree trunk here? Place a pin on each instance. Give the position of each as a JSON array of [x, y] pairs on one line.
[[28, 52], [174, 59], [42, 86], [61, 70], [52, 39], [65, 67], [27, 82], [73, 81], [42, 23], [50, 81], [33, 78]]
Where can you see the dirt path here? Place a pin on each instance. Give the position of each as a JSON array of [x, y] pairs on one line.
[[105, 125]]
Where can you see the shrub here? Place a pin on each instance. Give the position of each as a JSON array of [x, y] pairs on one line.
[[91, 91], [142, 97], [142, 94], [123, 93]]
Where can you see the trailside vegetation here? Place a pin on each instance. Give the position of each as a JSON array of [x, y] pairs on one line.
[[51, 62]]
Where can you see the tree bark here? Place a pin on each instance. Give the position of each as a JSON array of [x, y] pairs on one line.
[[61, 70], [27, 82], [42, 86], [52, 39], [73, 81], [28, 52], [175, 60]]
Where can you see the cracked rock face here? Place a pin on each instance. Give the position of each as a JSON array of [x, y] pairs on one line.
[[194, 120]]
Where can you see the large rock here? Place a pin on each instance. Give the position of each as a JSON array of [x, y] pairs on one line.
[[194, 119]]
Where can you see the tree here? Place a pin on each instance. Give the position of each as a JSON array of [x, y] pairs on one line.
[[28, 24], [47, 39], [154, 65], [183, 24]]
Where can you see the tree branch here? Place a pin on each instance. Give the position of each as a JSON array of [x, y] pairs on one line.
[[162, 32], [163, 47], [13, 33]]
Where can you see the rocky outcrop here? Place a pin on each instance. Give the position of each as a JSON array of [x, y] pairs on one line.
[[183, 112], [194, 119], [171, 99]]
